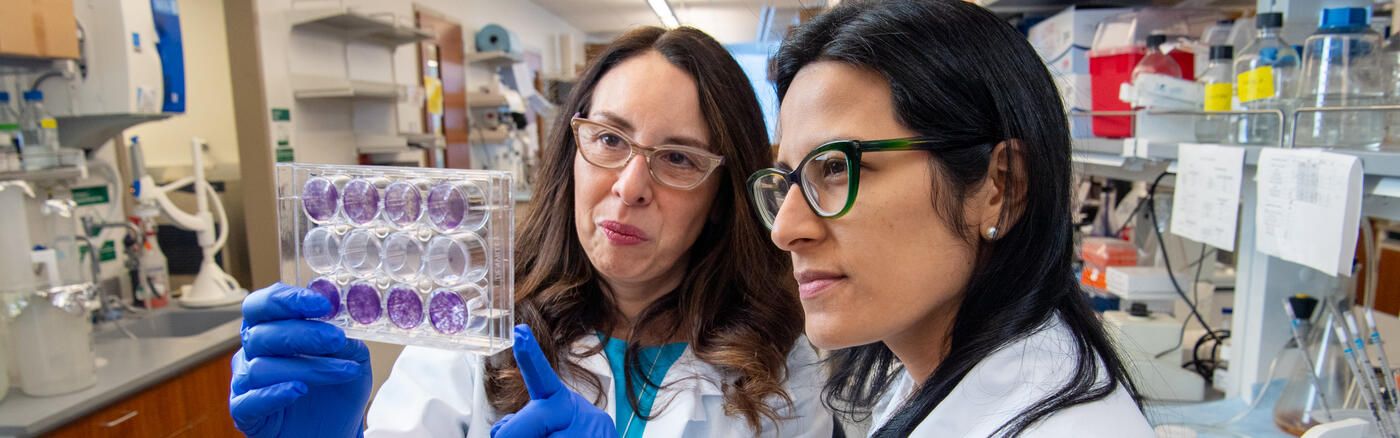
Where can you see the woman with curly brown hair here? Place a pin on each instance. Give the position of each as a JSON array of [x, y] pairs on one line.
[[641, 270]]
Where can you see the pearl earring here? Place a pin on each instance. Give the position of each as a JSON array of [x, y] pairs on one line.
[[991, 233]]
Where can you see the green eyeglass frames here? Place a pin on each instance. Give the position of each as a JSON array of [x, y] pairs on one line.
[[829, 176]]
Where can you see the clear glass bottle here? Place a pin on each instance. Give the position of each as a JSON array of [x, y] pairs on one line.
[[1265, 73], [1219, 83], [9, 123], [1341, 68], [40, 132], [1156, 61], [1218, 34], [1391, 76]]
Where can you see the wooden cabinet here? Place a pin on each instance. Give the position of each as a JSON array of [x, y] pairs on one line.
[[38, 29], [193, 403]]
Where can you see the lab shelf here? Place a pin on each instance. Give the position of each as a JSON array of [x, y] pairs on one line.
[[380, 143], [357, 26], [493, 58], [493, 136], [1105, 146], [67, 173], [482, 100], [1021, 6], [424, 141], [90, 132], [326, 87]]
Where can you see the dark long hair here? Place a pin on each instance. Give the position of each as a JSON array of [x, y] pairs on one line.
[[960, 74], [736, 302]]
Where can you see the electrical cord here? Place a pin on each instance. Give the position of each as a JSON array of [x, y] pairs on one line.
[[1200, 262], [1191, 304]]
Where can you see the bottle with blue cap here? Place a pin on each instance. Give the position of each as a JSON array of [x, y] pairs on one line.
[[40, 132], [9, 124], [1342, 68]]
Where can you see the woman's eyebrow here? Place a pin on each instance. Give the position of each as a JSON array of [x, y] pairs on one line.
[[615, 120], [619, 122]]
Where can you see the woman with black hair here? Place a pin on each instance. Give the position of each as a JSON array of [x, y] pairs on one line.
[[944, 289]]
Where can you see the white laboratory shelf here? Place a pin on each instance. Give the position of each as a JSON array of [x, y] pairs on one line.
[[357, 26], [367, 143], [1121, 168], [1104, 146], [492, 136], [1022, 6], [482, 100], [1375, 163], [90, 132], [326, 87], [1380, 164], [424, 141], [493, 58]]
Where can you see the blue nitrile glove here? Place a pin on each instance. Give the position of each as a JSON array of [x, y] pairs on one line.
[[296, 377], [554, 409]]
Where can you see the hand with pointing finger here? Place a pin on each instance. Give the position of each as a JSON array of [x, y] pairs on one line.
[[553, 410]]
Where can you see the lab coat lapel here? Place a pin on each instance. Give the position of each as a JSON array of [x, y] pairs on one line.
[[597, 364], [682, 399]]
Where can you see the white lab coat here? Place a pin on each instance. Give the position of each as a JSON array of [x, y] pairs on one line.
[[439, 393], [1010, 380]]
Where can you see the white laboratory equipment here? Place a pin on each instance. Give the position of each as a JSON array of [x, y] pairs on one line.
[[119, 40], [130, 71], [212, 286]]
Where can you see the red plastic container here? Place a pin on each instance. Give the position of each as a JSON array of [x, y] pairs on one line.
[[1120, 42], [1108, 72]]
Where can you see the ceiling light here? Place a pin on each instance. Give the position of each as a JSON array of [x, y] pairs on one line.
[[664, 12]]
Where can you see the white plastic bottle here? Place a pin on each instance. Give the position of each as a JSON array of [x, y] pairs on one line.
[[155, 272]]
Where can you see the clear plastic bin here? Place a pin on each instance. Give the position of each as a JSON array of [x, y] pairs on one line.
[[407, 256]]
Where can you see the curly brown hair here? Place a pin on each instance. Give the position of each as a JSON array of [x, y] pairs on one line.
[[740, 312]]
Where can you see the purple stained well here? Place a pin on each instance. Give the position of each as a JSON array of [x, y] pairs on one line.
[[446, 206], [327, 289], [448, 312], [405, 308], [318, 199], [361, 203], [403, 203], [362, 301]]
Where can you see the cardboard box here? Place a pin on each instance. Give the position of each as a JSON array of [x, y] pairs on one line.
[[1070, 29], [38, 29], [1063, 42]]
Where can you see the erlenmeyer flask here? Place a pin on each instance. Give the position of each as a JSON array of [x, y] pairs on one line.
[[1311, 400]]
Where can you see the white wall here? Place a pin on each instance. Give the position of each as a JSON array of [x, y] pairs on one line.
[[209, 94]]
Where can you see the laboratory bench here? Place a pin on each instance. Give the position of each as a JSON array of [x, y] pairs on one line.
[[170, 380]]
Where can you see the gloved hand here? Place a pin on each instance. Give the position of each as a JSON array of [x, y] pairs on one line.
[[553, 410], [296, 377]]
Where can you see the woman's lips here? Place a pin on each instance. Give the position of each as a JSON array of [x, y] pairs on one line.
[[811, 284], [622, 234]]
